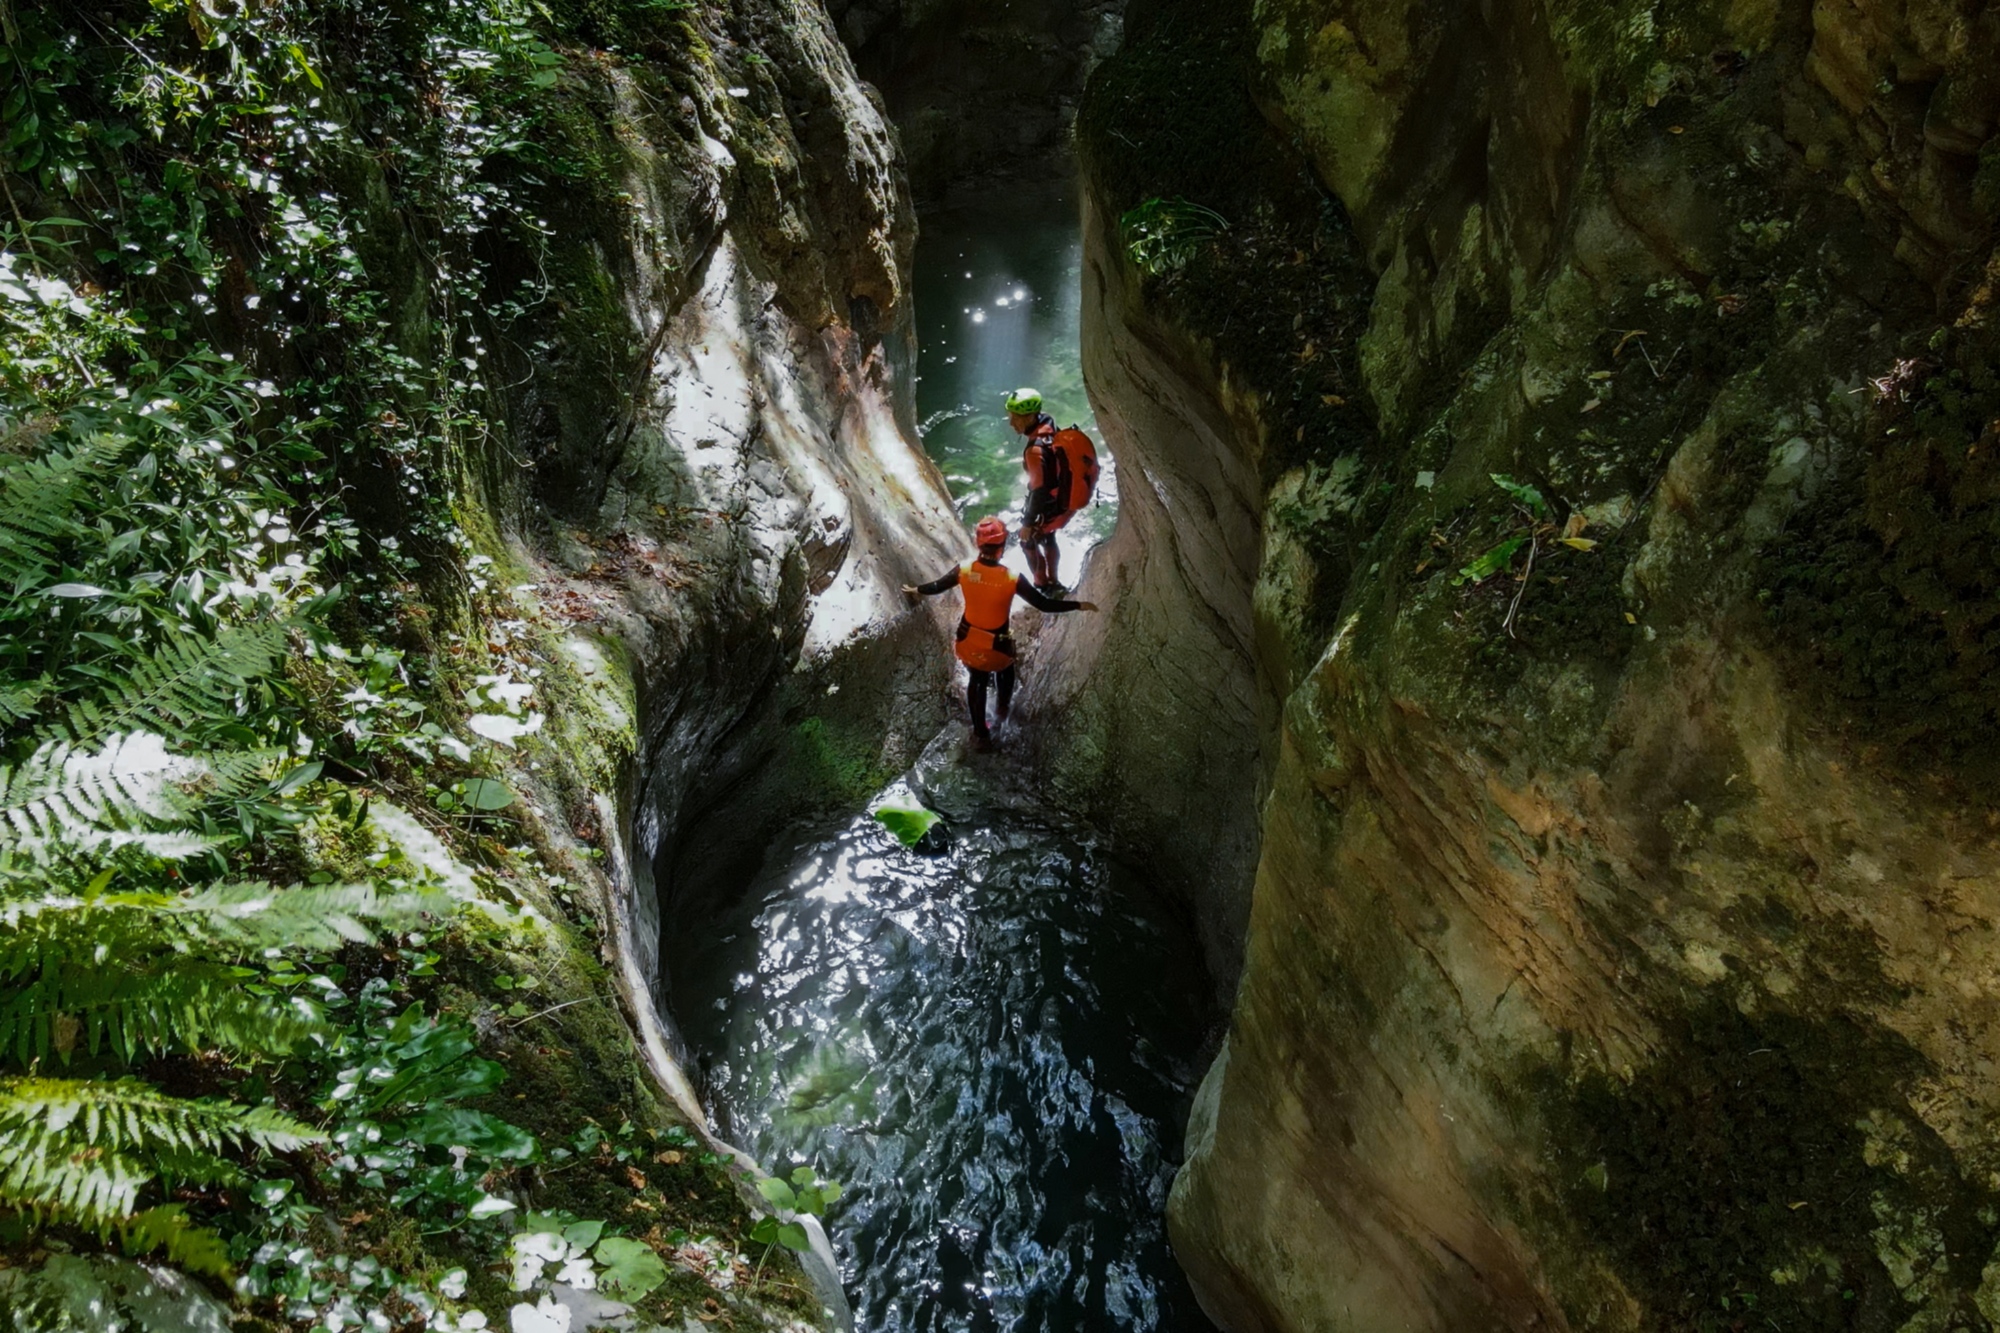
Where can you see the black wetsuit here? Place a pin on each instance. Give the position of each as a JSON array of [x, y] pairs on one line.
[[977, 682], [1044, 502]]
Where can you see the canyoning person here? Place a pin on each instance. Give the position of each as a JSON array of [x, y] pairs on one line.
[[1062, 473], [984, 643]]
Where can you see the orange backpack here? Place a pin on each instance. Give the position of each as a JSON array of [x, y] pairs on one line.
[[1076, 467]]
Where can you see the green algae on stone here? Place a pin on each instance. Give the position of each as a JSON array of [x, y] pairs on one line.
[[1766, 1168]]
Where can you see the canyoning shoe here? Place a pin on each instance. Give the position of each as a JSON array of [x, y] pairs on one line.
[[1051, 589], [982, 742]]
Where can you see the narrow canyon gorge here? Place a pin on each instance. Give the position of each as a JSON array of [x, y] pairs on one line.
[[1516, 846]]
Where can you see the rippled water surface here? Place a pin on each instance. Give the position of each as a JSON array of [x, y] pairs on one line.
[[994, 1047], [999, 302]]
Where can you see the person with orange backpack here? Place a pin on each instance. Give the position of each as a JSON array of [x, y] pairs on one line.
[[984, 642], [1062, 473]]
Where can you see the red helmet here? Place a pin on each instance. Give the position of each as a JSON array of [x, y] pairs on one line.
[[990, 532]]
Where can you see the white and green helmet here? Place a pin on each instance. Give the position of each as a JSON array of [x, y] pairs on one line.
[[1025, 401]]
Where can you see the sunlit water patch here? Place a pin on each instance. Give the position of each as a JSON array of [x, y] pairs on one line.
[[999, 305], [994, 1048]]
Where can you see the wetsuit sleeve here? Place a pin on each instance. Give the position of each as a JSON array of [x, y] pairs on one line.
[[1034, 597], [938, 585]]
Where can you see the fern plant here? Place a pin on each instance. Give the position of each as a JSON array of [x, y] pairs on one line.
[[137, 974], [189, 685], [121, 975]]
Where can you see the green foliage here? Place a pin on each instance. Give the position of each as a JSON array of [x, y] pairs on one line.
[[1492, 562], [193, 628], [148, 973], [1162, 235], [1523, 494], [630, 1269], [183, 686], [805, 1194], [908, 823], [82, 1149], [627, 1269]]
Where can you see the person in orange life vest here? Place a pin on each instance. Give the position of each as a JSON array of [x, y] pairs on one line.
[[984, 643], [1058, 484]]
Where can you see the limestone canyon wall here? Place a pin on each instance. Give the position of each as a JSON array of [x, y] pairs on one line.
[[1611, 391], [710, 470], [979, 89]]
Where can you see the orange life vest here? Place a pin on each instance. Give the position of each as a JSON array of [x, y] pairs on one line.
[[983, 641]]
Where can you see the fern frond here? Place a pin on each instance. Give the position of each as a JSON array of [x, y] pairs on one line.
[[81, 1150], [308, 916], [126, 1115], [18, 701], [38, 501], [140, 1008], [141, 973], [183, 686], [63, 797], [250, 914], [166, 1229], [64, 800], [44, 1175]]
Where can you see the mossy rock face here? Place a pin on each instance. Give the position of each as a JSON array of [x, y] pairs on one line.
[[1649, 779], [1770, 1169], [1886, 596]]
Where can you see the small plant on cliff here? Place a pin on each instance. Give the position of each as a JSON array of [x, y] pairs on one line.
[[1163, 235], [804, 1195], [1531, 525]]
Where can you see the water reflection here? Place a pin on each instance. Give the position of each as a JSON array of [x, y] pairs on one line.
[[999, 305], [994, 1048]]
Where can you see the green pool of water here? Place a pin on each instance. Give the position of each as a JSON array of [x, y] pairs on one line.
[[999, 305]]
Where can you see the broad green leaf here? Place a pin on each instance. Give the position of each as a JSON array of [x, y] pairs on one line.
[[629, 1269], [793, 1237], [486, 794], [297, 777], [909, 824], [491, 1206], [778, 1193], [298, 54], [1492, 562], [583, 1234], [1523, 493], [462, 1127]]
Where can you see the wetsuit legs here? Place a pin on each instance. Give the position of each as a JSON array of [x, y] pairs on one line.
[[1043, 558], [1031, 550], [975, 698]]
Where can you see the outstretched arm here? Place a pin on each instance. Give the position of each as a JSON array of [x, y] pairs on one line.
[[935, 586], [1041, 601]]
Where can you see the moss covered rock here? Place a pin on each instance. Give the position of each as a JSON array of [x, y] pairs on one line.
[[1624, 569]]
